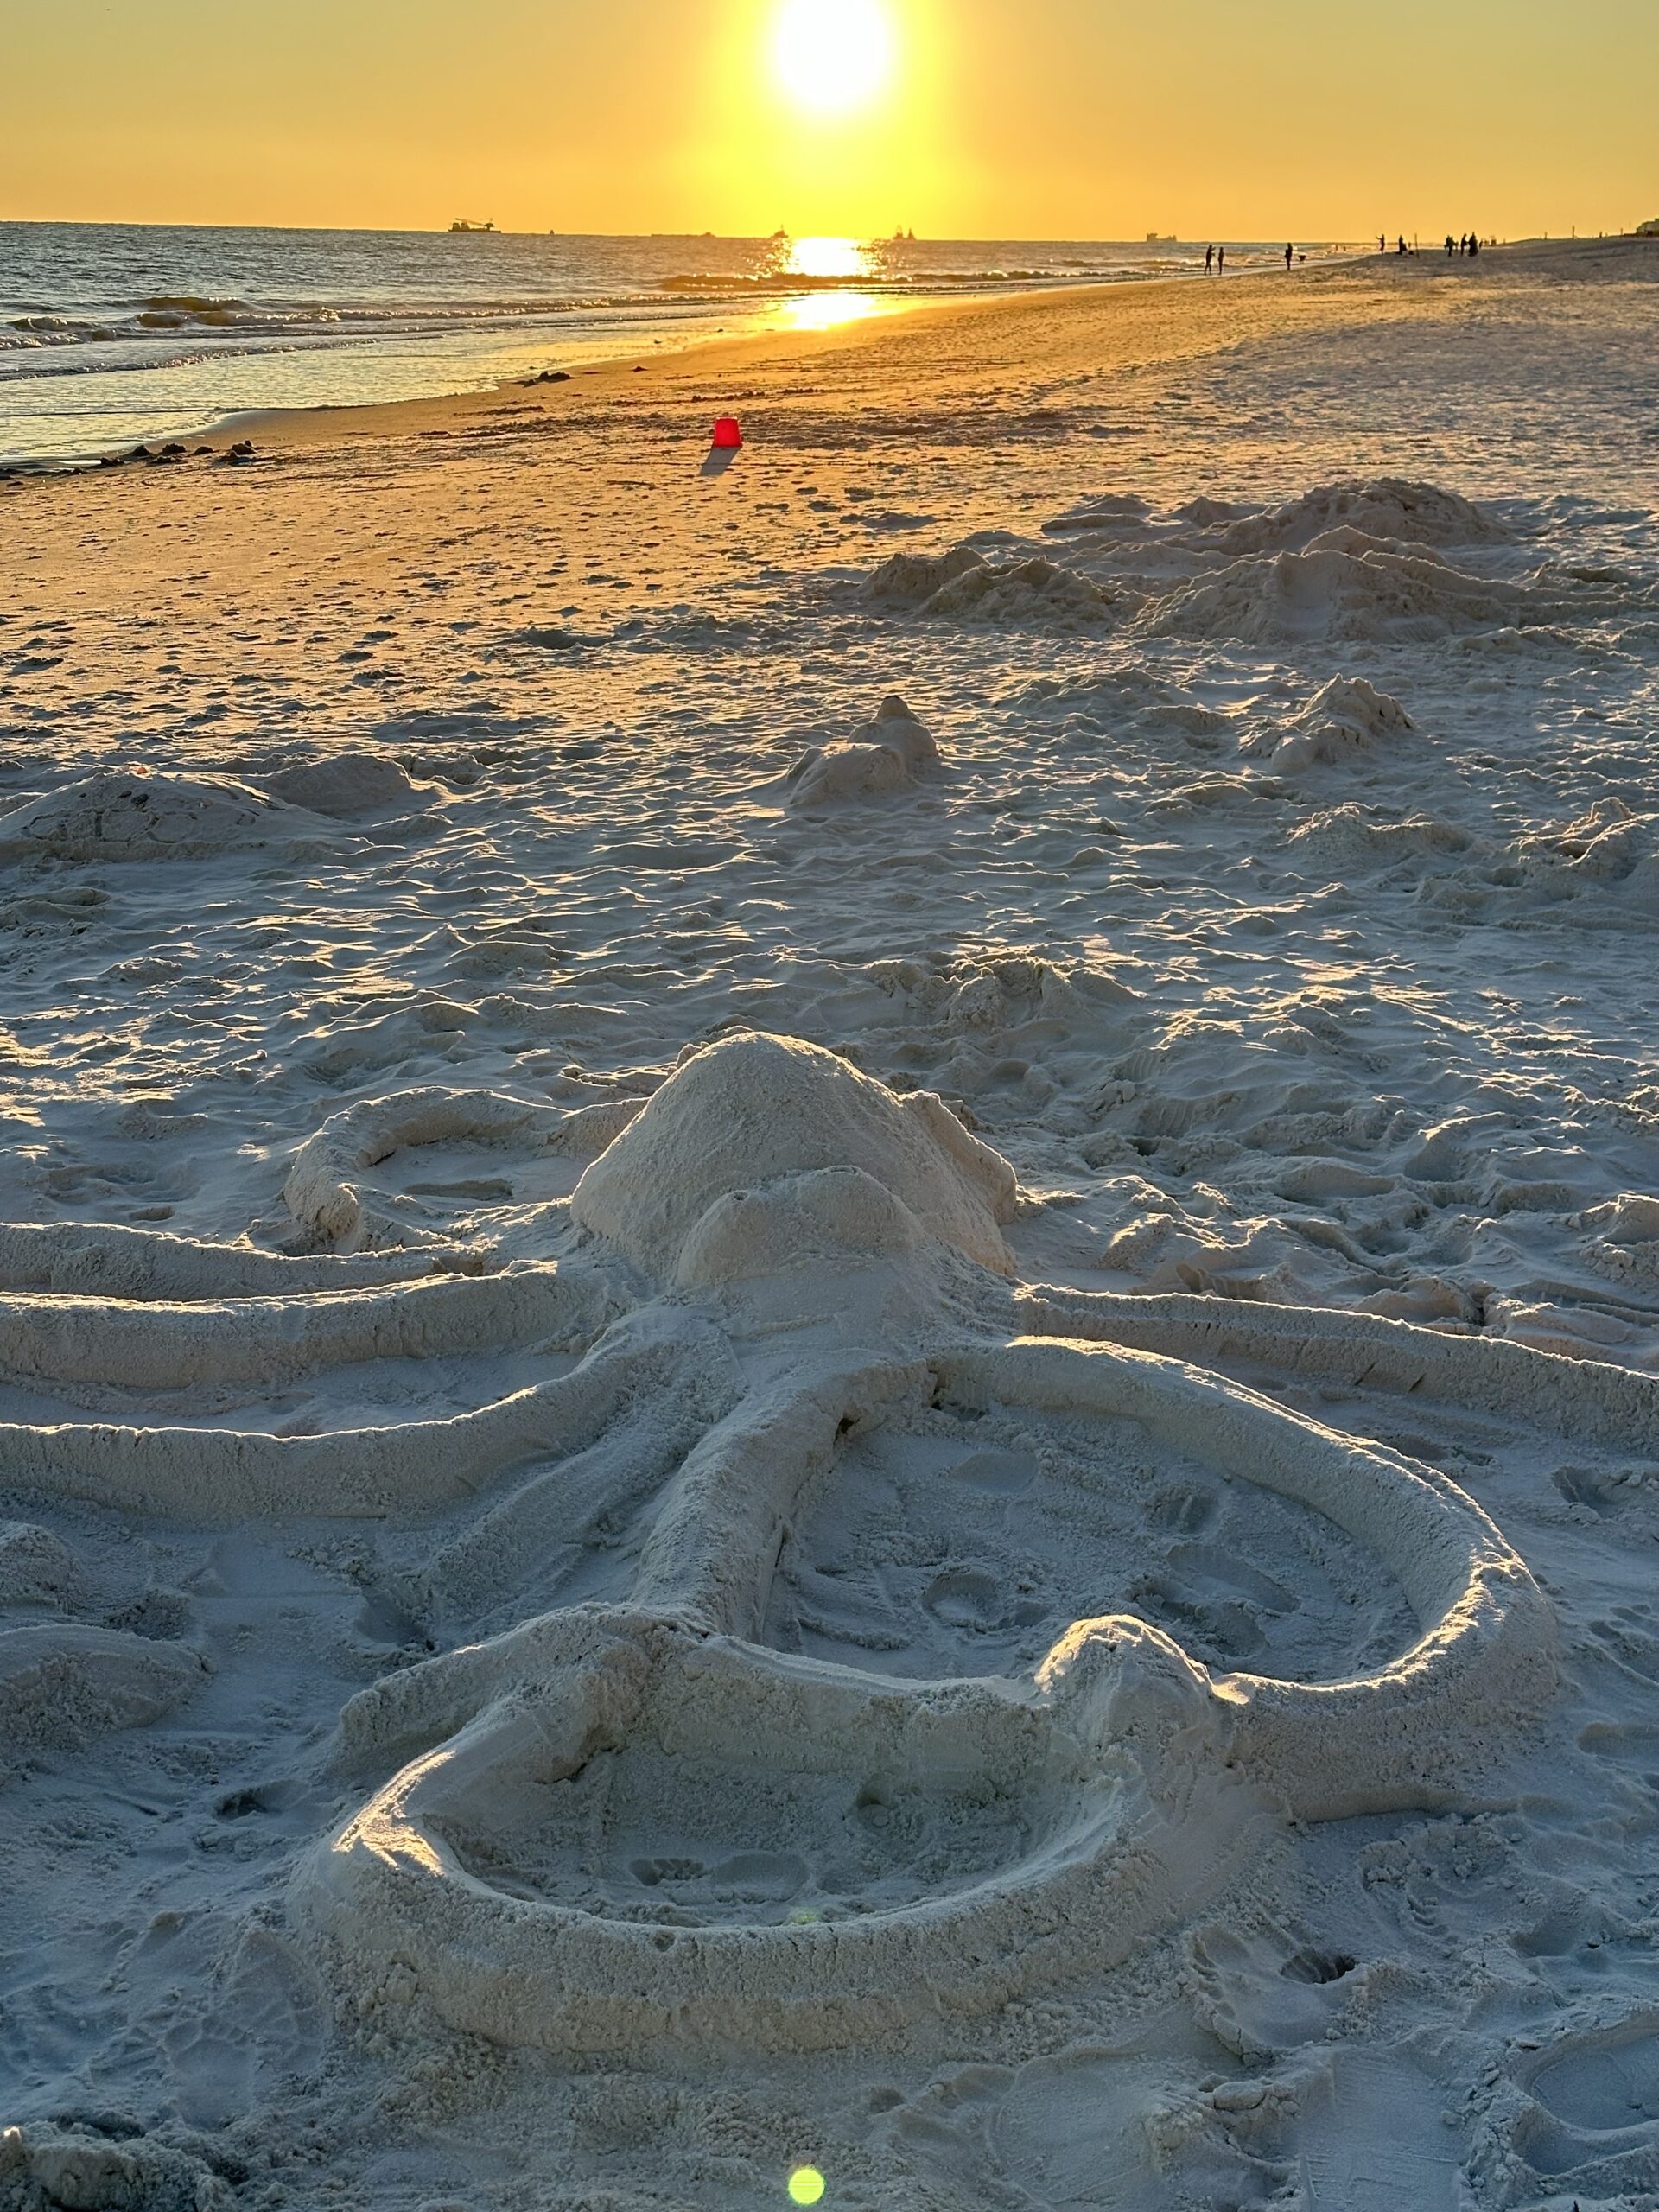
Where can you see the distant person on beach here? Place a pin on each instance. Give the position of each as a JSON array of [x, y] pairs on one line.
[[1221, 261], [1290, 255], [1474, 245], [1451, 245], [1401, 247], [1209, 259], [1382, 246]]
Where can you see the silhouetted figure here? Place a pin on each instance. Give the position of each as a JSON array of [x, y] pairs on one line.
[[1451, 245], [1209, 259], [1474, 245], [1402, 247], [1221, 261], [1290, 255], [1382, 244]]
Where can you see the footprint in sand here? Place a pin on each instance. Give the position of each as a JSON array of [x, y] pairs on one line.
[[1588, 2123]]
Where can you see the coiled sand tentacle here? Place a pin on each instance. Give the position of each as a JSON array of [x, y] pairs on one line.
[[707, 1563], [324, 1197], [711, 1556], [412, 1466], [158, 1346], [1086, 1807], [1614, 1405], [79, 1259], [1066, 1864], [1406, 1735]]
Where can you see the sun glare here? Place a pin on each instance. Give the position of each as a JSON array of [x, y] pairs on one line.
[[828, 258], [834, 56]]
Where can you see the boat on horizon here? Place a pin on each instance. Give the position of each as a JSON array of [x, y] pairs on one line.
[[461, 227]]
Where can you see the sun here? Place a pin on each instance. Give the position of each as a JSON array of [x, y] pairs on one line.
[[834, 56]]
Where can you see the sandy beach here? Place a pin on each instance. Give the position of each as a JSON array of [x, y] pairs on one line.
[[830, 1288]]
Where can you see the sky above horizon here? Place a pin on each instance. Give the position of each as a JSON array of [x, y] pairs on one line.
[[963, 118]]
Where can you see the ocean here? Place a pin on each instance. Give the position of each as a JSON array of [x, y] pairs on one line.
[[111, 334]]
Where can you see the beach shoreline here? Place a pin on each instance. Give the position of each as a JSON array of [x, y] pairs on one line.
[[706, 358], [158, 334], [290, 423]]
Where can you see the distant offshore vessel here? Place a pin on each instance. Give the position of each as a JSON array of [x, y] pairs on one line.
[[461, 227]]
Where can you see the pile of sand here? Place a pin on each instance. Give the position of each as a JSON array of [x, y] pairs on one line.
[[1105, 511], [1345, 720], [889, 756], [139, 816], [911, 580], [1358, 839], [1381, 507], [1383, 597], [961, 585], [348, 784]]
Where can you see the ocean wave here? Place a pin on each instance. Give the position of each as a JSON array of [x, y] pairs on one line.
[[155, 319]]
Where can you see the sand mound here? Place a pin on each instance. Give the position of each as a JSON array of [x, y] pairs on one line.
[[348, 784], [1625, 1240], [961, 585], [51, 2171], [1106, 510], [998, 992], [1383, 506], [887, 756], [752, 1110], [1344, 719], [111, 817], [912, 579], [1019, 593], [36, 1568], [1605, 845], [1286, 598], [1210, 514], [63, 1682], [1355, 838]]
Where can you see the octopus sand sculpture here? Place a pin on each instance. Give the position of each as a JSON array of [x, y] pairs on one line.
[[638, 1816]]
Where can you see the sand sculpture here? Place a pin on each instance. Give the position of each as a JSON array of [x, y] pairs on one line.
[[638, 1816]]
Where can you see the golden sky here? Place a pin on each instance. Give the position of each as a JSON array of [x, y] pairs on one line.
[[989, 118]]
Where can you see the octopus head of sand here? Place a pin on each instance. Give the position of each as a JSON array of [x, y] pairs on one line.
[[643, 1818]]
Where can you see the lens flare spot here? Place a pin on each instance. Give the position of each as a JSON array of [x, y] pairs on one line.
[[806, 2186]]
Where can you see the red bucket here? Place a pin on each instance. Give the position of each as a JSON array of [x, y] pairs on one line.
[[727, 436]]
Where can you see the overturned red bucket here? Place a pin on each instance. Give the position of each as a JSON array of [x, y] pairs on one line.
[[728, 437]]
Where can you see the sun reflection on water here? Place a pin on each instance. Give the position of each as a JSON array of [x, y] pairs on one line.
[[830, 259], [829, 310]]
